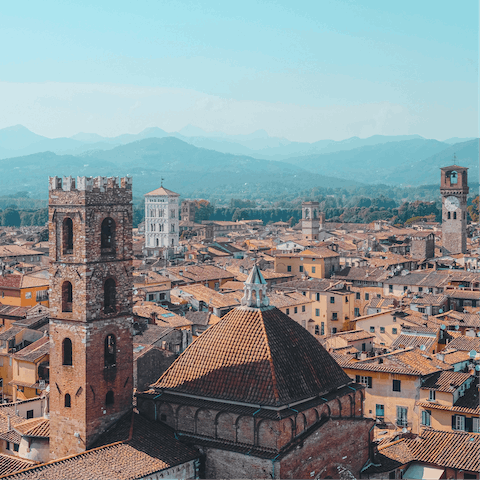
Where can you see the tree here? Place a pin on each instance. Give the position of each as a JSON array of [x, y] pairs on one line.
[[11, 218], [203, 210]]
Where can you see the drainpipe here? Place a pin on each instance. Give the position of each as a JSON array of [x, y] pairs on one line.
[[155, 403], [273, 465]]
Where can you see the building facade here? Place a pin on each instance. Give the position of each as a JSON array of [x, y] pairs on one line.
[[91, 373], [161, 219]]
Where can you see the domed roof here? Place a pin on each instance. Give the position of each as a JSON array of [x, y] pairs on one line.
[[254, 355]]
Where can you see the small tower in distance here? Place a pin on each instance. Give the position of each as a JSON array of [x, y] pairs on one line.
[[310, 220], [454, 190], [188, 211], [161, 219], [91, 354]]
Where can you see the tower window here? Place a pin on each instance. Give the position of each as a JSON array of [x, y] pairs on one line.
[[110, 352], [108, 235], [454, 215], [109, 292], [67, 352], [67, 297], [68, 401], [67, 236], [109, 398], [448, 215]]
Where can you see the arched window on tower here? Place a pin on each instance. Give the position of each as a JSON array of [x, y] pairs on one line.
[[108, 236], [448, 215], [67, 236], [109, 296], [110, 353], [109, 398], [67, 352], [453, 178], [454, 215], [68, 400], [67, 297]]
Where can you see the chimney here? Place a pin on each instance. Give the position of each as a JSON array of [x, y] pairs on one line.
[[9, 424]]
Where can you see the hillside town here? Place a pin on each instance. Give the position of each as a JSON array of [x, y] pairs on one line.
[[217, 349]]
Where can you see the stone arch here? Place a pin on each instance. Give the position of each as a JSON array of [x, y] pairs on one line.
[[267, 436], [67, 236], [311, 416], [166, 414], [286, 431], [300, 423], [205, 422], [225, 426], [186, 418], [324, 411], [67, 297], [67, 352], [245, 429]]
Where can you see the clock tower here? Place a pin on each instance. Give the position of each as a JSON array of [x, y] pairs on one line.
[[454, 190]]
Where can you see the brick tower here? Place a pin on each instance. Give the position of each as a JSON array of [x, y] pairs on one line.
[[310, 220], [91, 356], [454, 190]]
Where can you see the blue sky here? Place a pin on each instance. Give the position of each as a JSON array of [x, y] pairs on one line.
[[305, 70]]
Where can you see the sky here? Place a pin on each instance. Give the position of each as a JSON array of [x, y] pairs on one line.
[[303, 70]]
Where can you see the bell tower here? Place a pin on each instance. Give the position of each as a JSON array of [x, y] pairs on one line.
[[454, 191], [91, 355], [310, 220]]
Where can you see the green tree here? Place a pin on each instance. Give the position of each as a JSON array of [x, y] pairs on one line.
[[11, 218]]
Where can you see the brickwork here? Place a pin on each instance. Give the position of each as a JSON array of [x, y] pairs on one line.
[[188, 211], [90, 226], [423, 246]]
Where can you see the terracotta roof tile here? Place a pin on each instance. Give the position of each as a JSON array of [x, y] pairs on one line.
[[258, 356], [446, 381]]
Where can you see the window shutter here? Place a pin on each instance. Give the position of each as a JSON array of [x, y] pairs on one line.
[[357, 378], [468, 424], [369, 382], [454, 424]]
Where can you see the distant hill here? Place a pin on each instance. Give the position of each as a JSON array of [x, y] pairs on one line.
[[186, 169]]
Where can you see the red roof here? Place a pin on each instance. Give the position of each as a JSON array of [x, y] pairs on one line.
[[257, 356]]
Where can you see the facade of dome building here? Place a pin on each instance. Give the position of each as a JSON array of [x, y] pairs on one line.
[[261, 398]]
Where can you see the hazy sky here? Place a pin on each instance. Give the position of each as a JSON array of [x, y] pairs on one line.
[[304, 70]]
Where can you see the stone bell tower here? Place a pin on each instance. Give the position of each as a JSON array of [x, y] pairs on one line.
[[454, 190], [310, 220], [91, 355]]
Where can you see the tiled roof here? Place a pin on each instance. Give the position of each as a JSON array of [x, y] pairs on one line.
[[164, 317], [151, 448], [288, 299], [10, 333], [13, 311], [446, 381], [465, 343], [404, 341], [35, 427], [196, 273], [152, 334], [162, 191], [455, 356], [253, 355], [34, 351], [354, 335], [11, 436], [10, 464]]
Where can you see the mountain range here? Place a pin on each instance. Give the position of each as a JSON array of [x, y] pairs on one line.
[[216, 164]]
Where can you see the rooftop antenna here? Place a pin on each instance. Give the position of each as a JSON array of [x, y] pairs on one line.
[[161, 182]]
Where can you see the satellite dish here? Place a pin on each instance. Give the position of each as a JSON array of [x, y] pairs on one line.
[[473, 353], [478, 334], [440, 310], [422, 348], [443, 327], [404, 430], [456, 327], [477, 368]]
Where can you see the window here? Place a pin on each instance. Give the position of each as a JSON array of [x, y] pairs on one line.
[[382, 329], [317, 330], [317, 297], [372, 329], [303, 308], [426, 414], [67, 297], [109, 351], [300, 268], [41, 296], [67, 236], [402, 416], [288, 311], [364, 347], [334, 330], [289, 268], [109, 398], [448, 215], [367, 381], [390, 288], [394, 331], [430, 290], [458, 422], [67, 352], [397, 386], [334, 316], [379, 410], [356, 312], [217, 286], [317, 312], [431, 395], [322, 328], [109, 296], [7, 446], [313, 269], [68, 400], [367, 296], [29, 414], [357, 296], [16, 447], [107, 243], [28, 295], [332, 299], [454, 215], [420, 289], [405, 288], [295, 310], [476, 425]]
